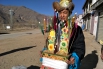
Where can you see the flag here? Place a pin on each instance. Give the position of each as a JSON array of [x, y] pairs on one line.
[[41, 28], [57, 21], [51, 24], [54, 21], [69, 22], [44, 24], [49, 28]]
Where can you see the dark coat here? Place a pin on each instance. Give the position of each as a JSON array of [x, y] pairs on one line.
[[77, 42]]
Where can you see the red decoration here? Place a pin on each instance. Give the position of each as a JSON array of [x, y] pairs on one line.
[[54, 21]]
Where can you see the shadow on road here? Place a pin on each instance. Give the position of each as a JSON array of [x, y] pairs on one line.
[[28, 33], [33, 67], [3, 33], [16, 50], [90, 61]]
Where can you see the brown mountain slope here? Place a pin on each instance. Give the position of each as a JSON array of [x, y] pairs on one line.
[[21, 14]]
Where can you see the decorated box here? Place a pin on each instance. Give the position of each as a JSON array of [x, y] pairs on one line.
[[56, 54]]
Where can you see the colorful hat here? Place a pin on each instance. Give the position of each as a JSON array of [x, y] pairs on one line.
[[63, 4]]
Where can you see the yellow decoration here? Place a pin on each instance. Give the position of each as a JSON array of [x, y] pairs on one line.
[[101, 42], [51, 47], [49, 37], [64, 3], [52, 33]]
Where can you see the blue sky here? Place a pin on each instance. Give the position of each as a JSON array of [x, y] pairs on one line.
[[42, 6]]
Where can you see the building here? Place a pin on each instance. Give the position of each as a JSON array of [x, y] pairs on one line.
[[87, 14], [97, 9], [93, 18]]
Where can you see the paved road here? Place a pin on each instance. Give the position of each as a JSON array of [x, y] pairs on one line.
[[21, 48], [14, 35], [92, 58], [28, 57]]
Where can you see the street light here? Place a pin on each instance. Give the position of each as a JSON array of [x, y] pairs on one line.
[[11, 18]]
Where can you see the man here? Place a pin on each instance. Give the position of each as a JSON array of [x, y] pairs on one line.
[[101, 53], [77, 41]]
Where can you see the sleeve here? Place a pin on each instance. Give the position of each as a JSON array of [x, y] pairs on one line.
[[77, 62], [79, 44]]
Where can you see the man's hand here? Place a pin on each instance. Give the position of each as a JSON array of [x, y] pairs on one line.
[[71, 60]]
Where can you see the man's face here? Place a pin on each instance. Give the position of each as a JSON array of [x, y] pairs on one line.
[[63, 15]]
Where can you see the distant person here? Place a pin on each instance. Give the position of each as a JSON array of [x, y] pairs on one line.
[[101, 53]]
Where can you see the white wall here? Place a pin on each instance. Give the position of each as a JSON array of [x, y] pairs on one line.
[[93, 1], [88, 7], [90, 21], [95, 23], [86, 23]]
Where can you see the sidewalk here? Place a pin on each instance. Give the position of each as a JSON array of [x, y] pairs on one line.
[[92, 58]]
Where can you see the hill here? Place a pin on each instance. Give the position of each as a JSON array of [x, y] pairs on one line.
[[21, 16]]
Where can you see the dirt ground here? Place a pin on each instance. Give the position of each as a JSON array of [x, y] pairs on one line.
[[23, 50]]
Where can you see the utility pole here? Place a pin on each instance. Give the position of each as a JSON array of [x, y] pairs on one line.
[[11, 18]]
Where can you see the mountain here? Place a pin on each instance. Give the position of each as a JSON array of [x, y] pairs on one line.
[[21, 15]]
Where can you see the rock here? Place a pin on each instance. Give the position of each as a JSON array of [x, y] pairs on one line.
[[19, 67]]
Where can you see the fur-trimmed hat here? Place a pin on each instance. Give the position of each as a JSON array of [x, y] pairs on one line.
[[63, 4]]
